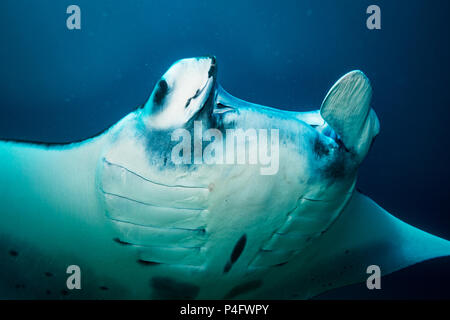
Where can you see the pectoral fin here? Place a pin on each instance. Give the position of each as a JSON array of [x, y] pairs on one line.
[[364, 235]]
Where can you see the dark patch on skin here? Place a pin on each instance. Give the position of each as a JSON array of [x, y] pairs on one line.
[[319, 148], [104, 288], [161, 92], [280, 264], [243, 288], [148, 263], [48, 292], [13, 253], [167, 288], [187, 103], [238, 248], [64, 292], [347, 251], [338, 167], [160, 145], [227, 267], [121, 242], [48, 274], [236, 253]]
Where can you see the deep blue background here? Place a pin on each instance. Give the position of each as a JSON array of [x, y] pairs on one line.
[[58, 85]]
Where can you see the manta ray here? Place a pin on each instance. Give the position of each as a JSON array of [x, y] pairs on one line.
[[140, 226]]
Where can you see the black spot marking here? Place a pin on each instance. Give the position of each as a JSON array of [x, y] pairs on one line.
[[238, 248], [48, 274], [280, 264], [227, 267], [64, 292], [167, 288], [148, 263], [161, 92], [243, 288], [236, 253], [188, 102], [48, 292], [121, 242], [347, 251], [13, 253], [319, 148], [104, 288]]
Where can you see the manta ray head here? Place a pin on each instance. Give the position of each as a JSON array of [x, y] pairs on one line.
[[181, 92], [255, 185]]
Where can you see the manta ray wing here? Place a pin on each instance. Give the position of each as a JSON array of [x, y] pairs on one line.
[[365, 234]]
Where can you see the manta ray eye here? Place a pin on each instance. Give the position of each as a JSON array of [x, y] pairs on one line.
[[161, 91]]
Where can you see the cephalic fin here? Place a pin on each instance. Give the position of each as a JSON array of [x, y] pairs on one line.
[[346, 108]]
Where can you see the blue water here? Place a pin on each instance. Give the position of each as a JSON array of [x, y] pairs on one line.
[[60, 85]]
